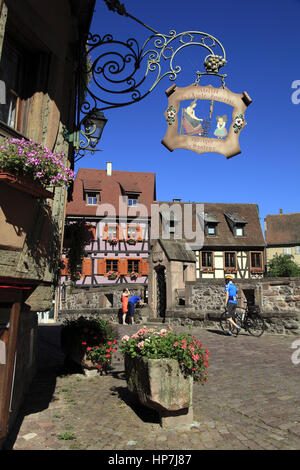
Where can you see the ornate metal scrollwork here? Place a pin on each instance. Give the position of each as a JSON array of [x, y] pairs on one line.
[[112, 73]]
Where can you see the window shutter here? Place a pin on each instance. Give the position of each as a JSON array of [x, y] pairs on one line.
[[101, 265], [139, 236], [143, 267], [105, 232], [123, 267], [119, 233], [86, 267], [65, 270]]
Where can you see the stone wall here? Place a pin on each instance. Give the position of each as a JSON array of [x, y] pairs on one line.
[[277, 298], [105, 301]]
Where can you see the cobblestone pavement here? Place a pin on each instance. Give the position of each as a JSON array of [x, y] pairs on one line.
[[251, 401]]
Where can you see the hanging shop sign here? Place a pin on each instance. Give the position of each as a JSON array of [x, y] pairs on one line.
[[188, 128]]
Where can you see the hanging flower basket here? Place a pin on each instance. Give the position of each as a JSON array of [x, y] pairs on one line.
[[131, 241]]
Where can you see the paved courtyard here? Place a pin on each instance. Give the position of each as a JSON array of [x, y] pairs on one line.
[[251, 401]]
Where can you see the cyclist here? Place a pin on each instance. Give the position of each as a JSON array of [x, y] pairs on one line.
[[231, 303]]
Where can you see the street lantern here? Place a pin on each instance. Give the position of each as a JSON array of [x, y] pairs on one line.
[[93, 127]]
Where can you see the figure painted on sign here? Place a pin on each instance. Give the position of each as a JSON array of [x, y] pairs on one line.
[[190, 122], [221, 130]]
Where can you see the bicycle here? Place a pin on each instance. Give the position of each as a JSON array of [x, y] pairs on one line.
[[250, 320]]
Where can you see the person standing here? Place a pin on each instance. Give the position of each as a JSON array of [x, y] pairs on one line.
[[135, 299], [125, 296], [231, 303]]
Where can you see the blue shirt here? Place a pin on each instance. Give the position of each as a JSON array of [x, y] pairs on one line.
[[231, 289], [134, 299]]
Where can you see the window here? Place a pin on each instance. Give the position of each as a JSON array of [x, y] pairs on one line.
[[133, 265], [206, 259], [12, 79], [92, 198], [239, 230], [256, 260], [211, 229], [230, 259], [287, 251], [112, 232], [297, 250], [111, 265], [131, 231], [132, 200]]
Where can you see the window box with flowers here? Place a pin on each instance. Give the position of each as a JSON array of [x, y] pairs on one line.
[[257, 270], [131, 241], [30, 167], [160, 367], [230, 270], [207, 270], [112, 275], [133, 276]]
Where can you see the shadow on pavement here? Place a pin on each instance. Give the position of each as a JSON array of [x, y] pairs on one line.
[[50, 365], [147, 415]]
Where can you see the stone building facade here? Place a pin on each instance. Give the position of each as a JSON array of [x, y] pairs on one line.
[[39, 52]]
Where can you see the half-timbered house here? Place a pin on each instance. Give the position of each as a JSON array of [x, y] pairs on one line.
[[232, 240], [116, 207]]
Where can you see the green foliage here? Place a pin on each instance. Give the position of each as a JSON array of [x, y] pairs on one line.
[[283, 266], [184, 348], [79, 236], [97, 338]]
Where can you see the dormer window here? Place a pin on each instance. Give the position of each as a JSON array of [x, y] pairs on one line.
[[237, 224], [211, 229], [132, 200], [239, 230], [92, 198], [211, 224]]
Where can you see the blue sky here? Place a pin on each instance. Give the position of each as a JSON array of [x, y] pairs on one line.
[[262, 43]]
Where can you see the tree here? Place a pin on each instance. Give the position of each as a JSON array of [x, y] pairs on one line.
[[283, 266]]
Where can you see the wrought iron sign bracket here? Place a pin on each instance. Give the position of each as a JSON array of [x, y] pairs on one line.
[[115, 78]]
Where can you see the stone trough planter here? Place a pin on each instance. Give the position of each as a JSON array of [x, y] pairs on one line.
[[160, 384]]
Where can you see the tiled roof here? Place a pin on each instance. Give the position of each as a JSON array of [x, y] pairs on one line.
[[248, 213], [111, 188], [283, 229]]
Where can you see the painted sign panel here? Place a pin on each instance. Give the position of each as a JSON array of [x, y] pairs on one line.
[[187, 130]]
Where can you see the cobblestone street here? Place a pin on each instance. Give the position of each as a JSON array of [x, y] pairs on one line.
[[251, 401]]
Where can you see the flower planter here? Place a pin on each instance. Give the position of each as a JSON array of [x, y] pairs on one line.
[[25, 184], [160, 384], [131, 241]]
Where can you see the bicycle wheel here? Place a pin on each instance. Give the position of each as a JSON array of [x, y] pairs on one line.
[[255, 325], [224, 323]]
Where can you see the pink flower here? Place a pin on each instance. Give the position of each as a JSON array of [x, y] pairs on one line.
[[125, 338], [183, 346], [141, 344], [176, 343]]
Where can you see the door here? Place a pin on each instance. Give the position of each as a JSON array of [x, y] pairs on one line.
[[161, 291]]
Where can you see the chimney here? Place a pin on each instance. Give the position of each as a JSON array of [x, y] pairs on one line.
[[280, 211], [108, 168]]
